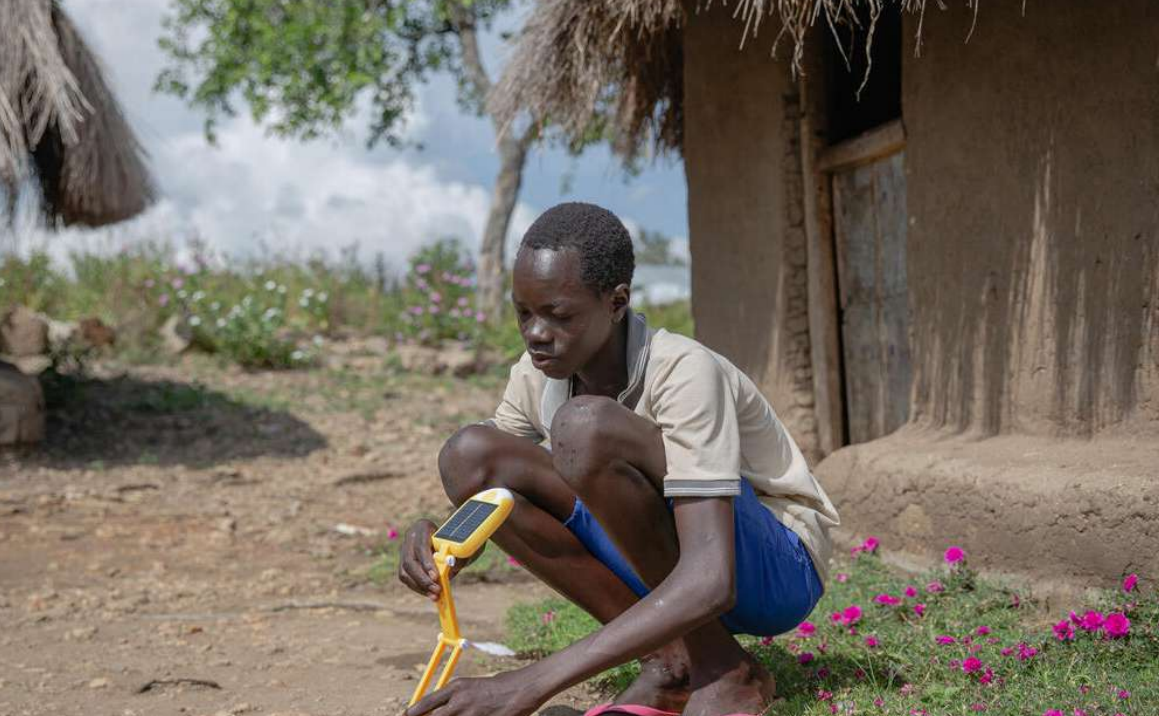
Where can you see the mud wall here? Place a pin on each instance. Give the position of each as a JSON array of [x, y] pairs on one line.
[[1032, 158], [746, 226]]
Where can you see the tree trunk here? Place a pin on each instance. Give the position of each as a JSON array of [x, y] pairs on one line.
[[493, 252]]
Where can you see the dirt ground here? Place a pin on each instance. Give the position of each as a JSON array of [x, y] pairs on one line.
[[173, 547]]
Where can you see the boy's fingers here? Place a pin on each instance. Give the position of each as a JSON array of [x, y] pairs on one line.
[[431, 702]]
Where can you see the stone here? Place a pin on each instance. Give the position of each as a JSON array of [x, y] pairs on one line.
[[22, 411], [176, 335], [457, 359], [23, 333]]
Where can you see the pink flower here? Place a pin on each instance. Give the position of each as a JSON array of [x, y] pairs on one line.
[[392, 533], [177, 282], [823, 695], [480, 316], [1080, 712], [1026, 652], [870, 544], [822, 673], [1064, 630], [972, 665], [1007, 650], [805, 657], [945, 640], [935, 587], [1130, 582], [422, 268], [1116, 625], [919, 609], [982, 630], [512, 561], [163, 300], [1052, 712], [906, 689], [954, 555], [1075, 619], [879, 702], [842, 577], [1091, 621], [860, 674], [851, 615], [987, 677], [871, 641], [548, 617], [432, 309], [1124, 694], [978, 707], [463, 301], [911, 591], [766, 640], [806, 629], [835, 617], [436, 296], [887, 599], [1084, 689]]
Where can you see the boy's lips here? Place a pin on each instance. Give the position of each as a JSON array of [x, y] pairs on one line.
[[542, 358]]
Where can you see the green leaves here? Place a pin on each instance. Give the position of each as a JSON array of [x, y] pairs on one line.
[[302, 65]]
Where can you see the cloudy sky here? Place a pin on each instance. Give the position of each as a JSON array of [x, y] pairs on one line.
[[252, 187]]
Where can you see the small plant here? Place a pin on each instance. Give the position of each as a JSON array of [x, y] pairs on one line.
[[254, 332]]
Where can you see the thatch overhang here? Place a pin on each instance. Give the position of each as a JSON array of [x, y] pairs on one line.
[[60, 124], [616, 66]]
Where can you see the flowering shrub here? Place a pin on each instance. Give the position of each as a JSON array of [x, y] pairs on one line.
[[438, 296]]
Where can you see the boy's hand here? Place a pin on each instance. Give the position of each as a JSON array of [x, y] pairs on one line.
[[416, 564]]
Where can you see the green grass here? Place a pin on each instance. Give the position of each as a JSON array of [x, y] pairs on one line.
[[909, 672], [492, 565]]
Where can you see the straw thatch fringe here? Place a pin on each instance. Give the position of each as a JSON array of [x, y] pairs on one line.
[[61, 125], [615, 67]]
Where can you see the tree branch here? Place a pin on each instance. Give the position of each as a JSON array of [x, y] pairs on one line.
[[463, 19]]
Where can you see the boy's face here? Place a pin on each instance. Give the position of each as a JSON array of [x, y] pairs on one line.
[[563, 322]]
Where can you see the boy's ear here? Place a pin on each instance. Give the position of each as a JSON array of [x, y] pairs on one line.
[[621, 301]]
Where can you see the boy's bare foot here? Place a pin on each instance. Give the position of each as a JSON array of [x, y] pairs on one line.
[[663, 682], [746, 688]]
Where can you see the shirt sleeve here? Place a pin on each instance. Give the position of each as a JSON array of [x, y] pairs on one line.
[[513, 412], [695, 407]]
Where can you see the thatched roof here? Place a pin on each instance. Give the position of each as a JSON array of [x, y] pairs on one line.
[[616, 66], [60, 124]]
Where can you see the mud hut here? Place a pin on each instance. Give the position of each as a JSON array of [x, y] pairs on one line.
[[61, 128], [944, 273]]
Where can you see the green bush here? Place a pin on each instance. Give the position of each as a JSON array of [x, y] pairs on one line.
[[438, 296]]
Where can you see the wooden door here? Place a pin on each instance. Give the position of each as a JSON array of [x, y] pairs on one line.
[[869, 223]]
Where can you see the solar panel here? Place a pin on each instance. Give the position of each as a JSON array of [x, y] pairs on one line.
[[465, 521]]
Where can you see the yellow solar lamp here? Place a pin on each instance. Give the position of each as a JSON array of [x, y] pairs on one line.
[[460, 537]]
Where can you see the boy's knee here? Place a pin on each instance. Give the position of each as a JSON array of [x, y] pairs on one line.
[[464, 462], [581, 435]]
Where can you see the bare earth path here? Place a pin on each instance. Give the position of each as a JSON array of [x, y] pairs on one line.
[[174, 548]]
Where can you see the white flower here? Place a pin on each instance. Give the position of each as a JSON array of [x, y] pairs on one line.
[[247, 301], [270, 285], [198, 295], [195, 321], [317, 340], [1, 282], [304, 302], [297, 355], [323, 296], [281, 289], [181, 293], [221, 323], [216, 305], [306, 293]]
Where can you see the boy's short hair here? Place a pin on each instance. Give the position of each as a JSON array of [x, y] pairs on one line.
[[597, 235]]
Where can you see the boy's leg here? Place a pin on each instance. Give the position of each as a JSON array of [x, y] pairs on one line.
[[614, 460]]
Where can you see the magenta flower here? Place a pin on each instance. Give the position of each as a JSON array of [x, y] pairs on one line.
[[982, 630], [906, 689], [972, 665], [1124, 694], [463, 301], [432, 309], [1026, 652], [422, 268], [1075, 618], [805, 657], [1130, 582], [1091, 621], [1007, 650], [871, 641], [887, 599], [851, 615], [435, 296], [822, 673], [835, 617], [954, 555], [860, 674], [935, 587], [823, 695], [163, 300], [1064, 631], [1052, 712], [1080, 712], [987, 677], [480, 316], [870, 544], [911, 591], [919, 609], [842, 577], [416, 310], [945, 640], [548, 617], [1084, 689], [978, 707], [1116, 625], [766, 640], [512, 561], [879, 702], [392, 533], [806, 629]]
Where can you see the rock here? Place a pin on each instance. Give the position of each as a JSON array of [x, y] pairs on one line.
[[23, 333], [176, 335], [96, 334], [28, 365], [456, 359], [22, 409], [98, 683]]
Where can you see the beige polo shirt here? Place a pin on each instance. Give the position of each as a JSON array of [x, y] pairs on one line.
[[717, 429]]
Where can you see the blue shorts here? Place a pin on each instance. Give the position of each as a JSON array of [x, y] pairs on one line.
[[776, 583]]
